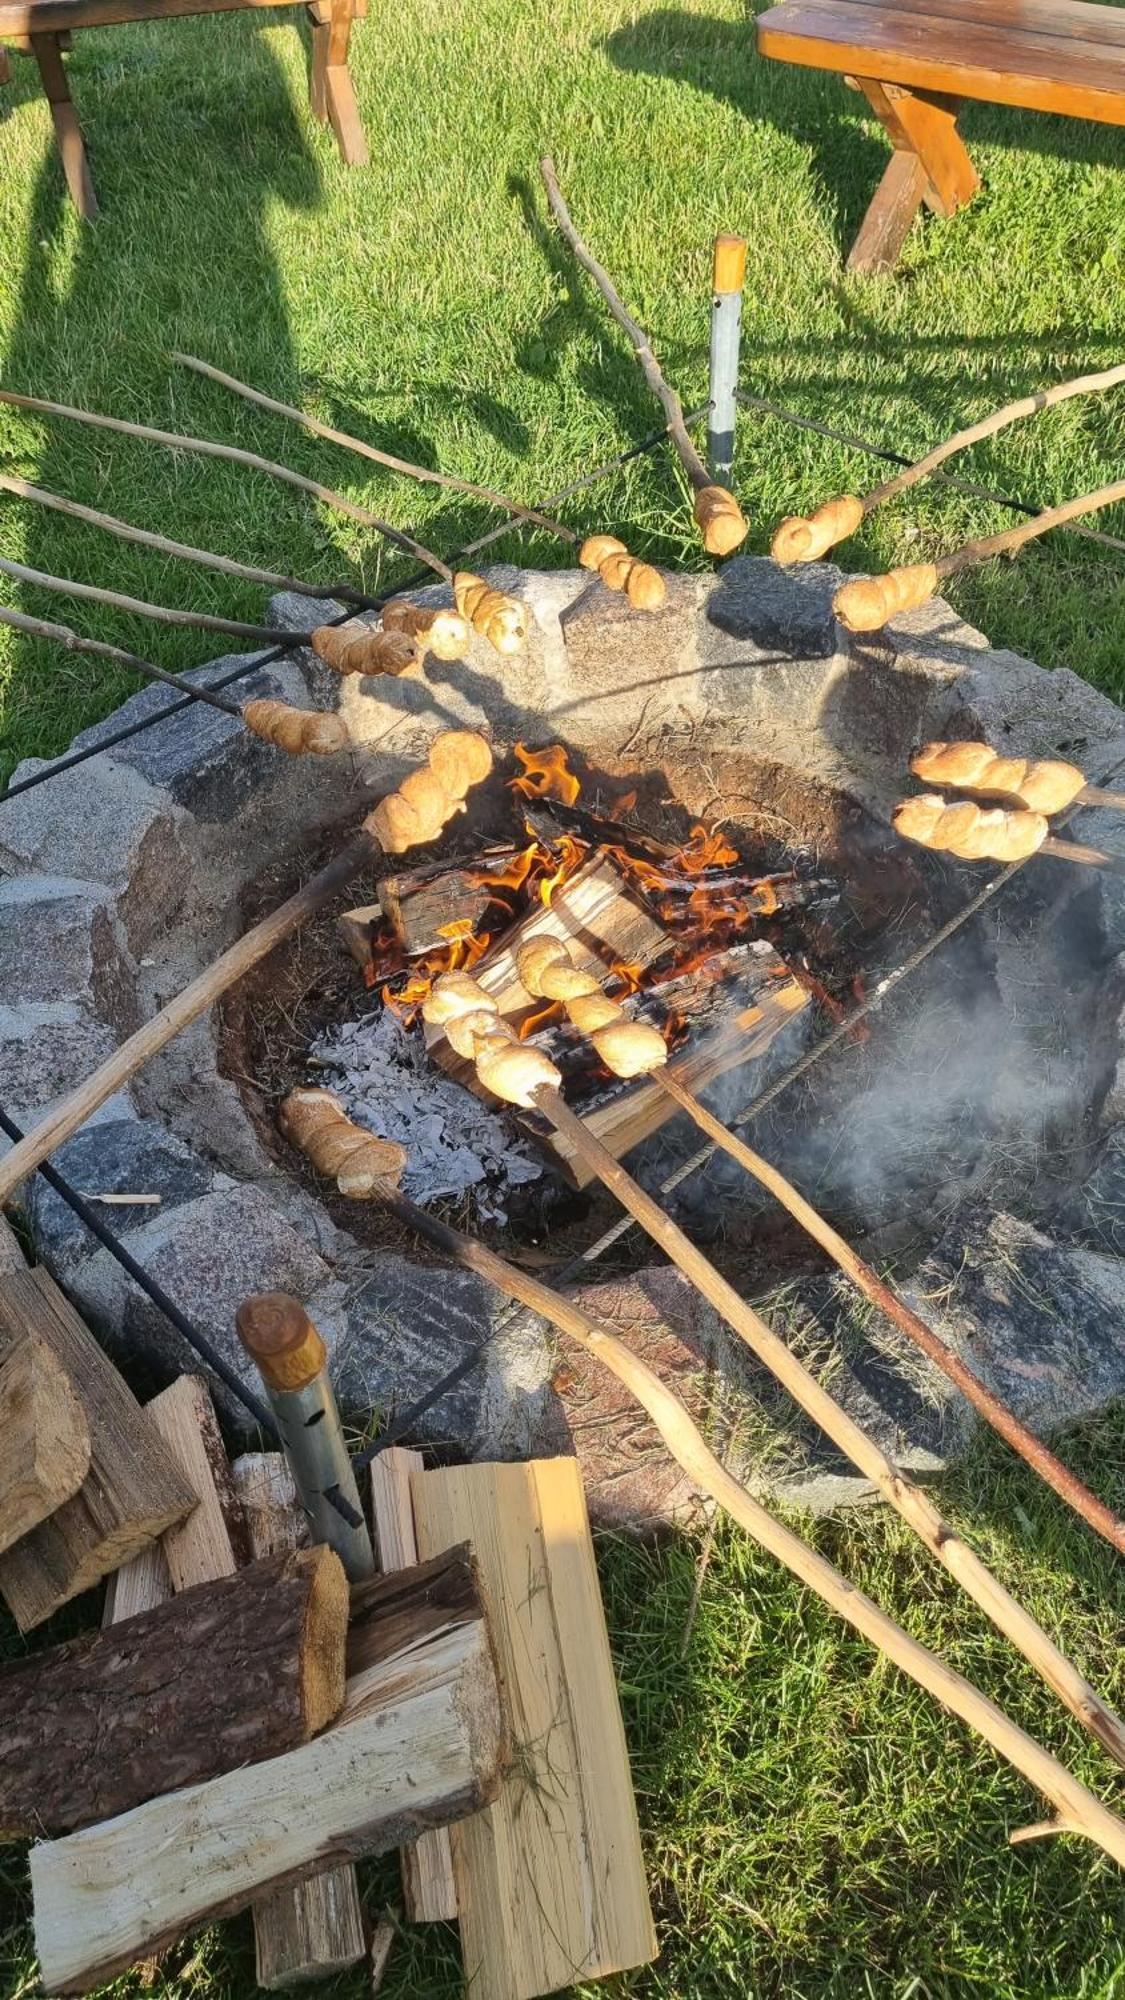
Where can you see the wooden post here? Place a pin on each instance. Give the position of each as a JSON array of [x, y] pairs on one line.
[[68, 132]]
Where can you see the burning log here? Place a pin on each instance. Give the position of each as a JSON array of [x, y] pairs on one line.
[[610, 559], [222, 1676], [1043, 784], [422, 472], [519, 1081], [867, 603], [291, 729], [428, 908], [234, 456], [717, 512], [457, 760], [1078, 1810], [802, 538], [977, 833]]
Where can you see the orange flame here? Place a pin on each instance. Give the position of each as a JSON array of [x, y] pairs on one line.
[[546, 775]]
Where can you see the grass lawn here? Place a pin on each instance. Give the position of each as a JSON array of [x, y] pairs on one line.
[[814, 1826]]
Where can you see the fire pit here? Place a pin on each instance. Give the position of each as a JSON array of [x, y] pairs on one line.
[[702, 796]]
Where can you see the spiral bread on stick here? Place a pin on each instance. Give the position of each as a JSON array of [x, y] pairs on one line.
[[720, 520], [610, 559], [430, 797], [295, 729], [807, 537], [356, 648], [1043, 784], [501, 620], [971, 833], [316, 1123], [866, 604], [504, 1065], [445, 634], [628, 1048]]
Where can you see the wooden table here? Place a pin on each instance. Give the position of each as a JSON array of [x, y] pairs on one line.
[[43, 28], [916, 61]]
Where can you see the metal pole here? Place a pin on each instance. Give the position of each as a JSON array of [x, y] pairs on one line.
[[727, 278], [291, 1358]]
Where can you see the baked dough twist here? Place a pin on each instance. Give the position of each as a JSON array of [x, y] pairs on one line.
[[972, 833], [501, 620], [610, 559], [628, 1048], [315, 1121], [431, 796], [1044, 784], [295, 729]]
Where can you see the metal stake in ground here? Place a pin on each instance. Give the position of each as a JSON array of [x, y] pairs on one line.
[[292, 1360], [520, 1074], [1078, 1810], [717, 513], [728, 273], [805, 538]]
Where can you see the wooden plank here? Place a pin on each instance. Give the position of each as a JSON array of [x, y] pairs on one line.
[[927, 126], [46, 1452], [315, 1927], [19, 19], [223, 1675], [550, 1878], [428, 1889], [68, 132], [420, 1741], [886, 225], [213, 1539], [131, 1493], [1067, 21], [984, 62]]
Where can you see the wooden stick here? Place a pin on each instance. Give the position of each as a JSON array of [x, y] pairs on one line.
[[292, 729], [163, 613], [343, 593], [717, 512], [73, 1110], [989, 1406], [1073, 1803], [350, 443], [867, 603], [802, 538], [916, 1508], [209, 449]]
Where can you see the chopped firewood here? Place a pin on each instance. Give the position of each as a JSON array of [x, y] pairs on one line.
[[419, 1742], [551, 1876], [46, 1453], [131, 1493], [427, 907], [315, 1927], [382, 1944], [213, 1541], [223, 1675], [429, 1891]]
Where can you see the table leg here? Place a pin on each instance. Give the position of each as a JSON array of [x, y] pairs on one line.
[[930, 164], [331, 92], [68, 132]]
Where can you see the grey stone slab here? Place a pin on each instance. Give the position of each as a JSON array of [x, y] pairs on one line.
[[121, 1156], [46, 1048], [59, 941], [785, 612]]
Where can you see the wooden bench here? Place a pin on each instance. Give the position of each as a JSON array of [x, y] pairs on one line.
[[916, 61], [43, 28]]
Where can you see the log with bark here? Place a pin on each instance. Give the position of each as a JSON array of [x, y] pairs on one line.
[[221, 1676], [420, 1742]]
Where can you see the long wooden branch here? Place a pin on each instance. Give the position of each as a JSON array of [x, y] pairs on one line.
[[349, 443], [989, 1406], [805, 538], [164, 614], [868, 602], [234, 456], [717, 512], [343, 593], [915, 1506], [277, 722], [1077, 1808]]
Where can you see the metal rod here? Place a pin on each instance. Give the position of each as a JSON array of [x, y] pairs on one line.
[[727, 278]]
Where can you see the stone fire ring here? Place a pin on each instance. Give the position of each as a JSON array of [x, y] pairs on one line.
[[123, 878]]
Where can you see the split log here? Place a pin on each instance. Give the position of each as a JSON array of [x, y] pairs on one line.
[[551, 1878], [316, 1927], [46, 1453], [423, 905], [428, 1888], [213, 1541], [221, 1676], [419, 1743], [130, 1494]]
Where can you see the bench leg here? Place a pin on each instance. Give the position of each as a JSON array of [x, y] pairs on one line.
[[68, 132], [929, 164], [5, 67], [331, 92]]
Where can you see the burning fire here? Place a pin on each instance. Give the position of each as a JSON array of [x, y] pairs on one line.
[[546, 775]]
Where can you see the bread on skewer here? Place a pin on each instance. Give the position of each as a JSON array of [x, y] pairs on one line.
[[1043, 784], [443, 633], [432, 795], [317, 1124], [970, 832], [628, 1048], [610, 559], [505, 1065]]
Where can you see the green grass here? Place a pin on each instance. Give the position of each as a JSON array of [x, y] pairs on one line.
[[814, 1827]]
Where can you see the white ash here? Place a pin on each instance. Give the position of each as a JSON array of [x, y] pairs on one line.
[[385, 1081]]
